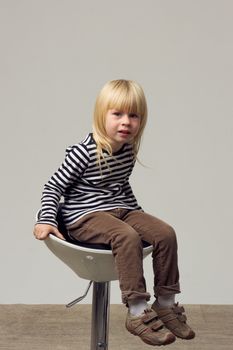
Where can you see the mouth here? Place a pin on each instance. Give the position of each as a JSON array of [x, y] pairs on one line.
[[124, 132]]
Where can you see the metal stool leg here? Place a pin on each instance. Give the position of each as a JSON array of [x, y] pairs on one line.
[[100, 315]]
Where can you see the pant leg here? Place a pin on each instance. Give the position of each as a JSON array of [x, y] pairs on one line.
[[107, 227], [163, 238]]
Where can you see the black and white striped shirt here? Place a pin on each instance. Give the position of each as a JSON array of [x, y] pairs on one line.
[[85, 187]]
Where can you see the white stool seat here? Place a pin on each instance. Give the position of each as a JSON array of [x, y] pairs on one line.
[[88, 263]]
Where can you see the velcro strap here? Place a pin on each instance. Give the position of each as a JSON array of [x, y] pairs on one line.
[[178, 309], [157, 325], [149, 317], [182, 318], [169, 317]]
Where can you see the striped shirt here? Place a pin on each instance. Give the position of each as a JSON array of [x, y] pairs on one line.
[[85, 187]]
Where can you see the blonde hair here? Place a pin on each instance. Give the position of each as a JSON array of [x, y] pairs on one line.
[[122, 95]]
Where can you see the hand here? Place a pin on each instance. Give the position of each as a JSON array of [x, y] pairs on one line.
[[41, 231]]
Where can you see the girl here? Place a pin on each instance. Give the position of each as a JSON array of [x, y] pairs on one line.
[[100, 207]]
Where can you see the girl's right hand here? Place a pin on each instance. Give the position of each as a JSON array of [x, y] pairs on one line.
[[41, 231]]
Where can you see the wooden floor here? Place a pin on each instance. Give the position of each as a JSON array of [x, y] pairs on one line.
[[53, 327]]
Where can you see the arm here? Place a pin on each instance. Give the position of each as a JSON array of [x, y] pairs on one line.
[[72, 168]]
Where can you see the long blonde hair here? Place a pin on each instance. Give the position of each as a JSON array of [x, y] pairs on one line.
[[122, 95]]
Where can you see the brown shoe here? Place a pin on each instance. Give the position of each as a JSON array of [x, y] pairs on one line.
[[149, 328], [174, 320]]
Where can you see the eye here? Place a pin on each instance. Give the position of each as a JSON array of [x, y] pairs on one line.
[[133, 115], [117, 114]]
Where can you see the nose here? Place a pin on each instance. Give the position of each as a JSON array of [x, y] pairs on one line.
[[125, 119]]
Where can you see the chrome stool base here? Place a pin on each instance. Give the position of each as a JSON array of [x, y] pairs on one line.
[[100, 313]]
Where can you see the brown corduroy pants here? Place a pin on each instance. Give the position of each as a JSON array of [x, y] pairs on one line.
[[124, 230]]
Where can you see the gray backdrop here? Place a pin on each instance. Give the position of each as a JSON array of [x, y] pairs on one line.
[[55, 56]]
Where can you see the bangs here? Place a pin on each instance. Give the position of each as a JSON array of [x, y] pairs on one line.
[[127, 100]]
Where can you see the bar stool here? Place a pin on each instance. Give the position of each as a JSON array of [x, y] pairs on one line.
[[93, 262]]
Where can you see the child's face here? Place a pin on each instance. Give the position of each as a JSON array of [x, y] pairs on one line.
[[121, 127]]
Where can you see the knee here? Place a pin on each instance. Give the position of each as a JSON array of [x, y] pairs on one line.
[[128, 237], [169, 236]]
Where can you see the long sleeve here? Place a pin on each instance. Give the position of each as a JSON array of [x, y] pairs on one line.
[[71, 170]]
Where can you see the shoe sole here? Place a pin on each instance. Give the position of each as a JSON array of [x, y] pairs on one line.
[[189, 337], [170, 339]]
